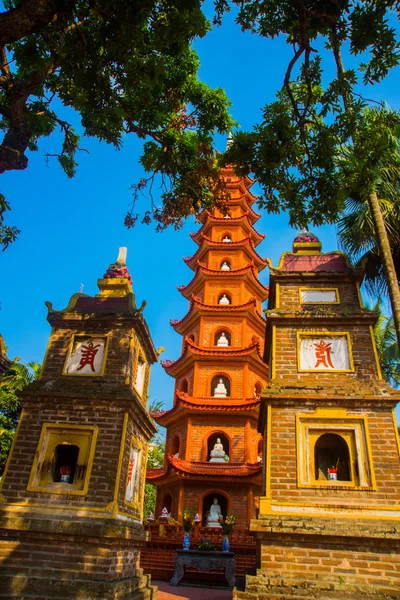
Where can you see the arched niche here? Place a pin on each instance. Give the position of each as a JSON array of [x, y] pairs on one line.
[[257, 388], [222, 337], [226, 237], [225, 298], [208, 499], [219, 382], [176, 446], [64, 462], [212, 440], [167, 502], [225, 265], [331, 450], [184, 386], [192, 337]]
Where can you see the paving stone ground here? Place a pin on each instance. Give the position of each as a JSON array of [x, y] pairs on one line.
[[166, 592]]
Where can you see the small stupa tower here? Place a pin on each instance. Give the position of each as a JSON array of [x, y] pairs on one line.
[[213, 449], [72, 490]]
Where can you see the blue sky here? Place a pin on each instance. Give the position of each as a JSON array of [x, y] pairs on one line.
[[71, 229]]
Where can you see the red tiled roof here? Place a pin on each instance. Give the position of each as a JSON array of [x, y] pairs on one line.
[[206, 404], [196, 304], [314, 262], [191, 261], [227, 223], [201, 268], [108, 304], [207, 469], [218, 353]]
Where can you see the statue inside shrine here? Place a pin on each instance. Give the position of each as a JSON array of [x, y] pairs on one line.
[[218, 453], [223, 340], [220, 390], [214, 514], [224, 299], [226, 239], [225, 266]]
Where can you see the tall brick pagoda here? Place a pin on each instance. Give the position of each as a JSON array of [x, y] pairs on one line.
[[213, 449], [329, 518], [72, 491]]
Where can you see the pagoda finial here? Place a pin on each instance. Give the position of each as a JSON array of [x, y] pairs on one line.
[[116, 280], [306, 242]]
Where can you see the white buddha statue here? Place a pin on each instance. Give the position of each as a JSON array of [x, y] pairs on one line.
[[220, 390], [224, 299], [214, 514], [227, 216], [226, 239], [225, 266], [218, 453], [222, 340], [164, 513]]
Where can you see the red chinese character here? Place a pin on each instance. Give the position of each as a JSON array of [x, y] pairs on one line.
[[323, 354], [130, 469], [88, 355]]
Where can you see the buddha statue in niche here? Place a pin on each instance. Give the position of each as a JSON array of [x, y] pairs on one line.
[[218, 453], [220, 390], [224, 299], [214, 514], [225, 266], [223, 340], [226, 239]]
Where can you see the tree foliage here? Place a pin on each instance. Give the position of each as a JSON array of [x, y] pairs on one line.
[[125, 67], [387, 346], [317, 131], [15, 379]]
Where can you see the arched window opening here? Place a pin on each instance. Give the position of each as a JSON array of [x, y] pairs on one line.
[[167, 502], [175, 446], [65, 461], [215, 505], [226, 265], [218, 447], [220, 387], [227, 238], [257, 389], [222, 338], [184, 386], [191, 337], [332, 459], [224, 299]]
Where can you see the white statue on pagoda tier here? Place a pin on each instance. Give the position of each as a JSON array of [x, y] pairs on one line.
[[224, 299], [220, 390], [214, 514], [218, 453], [223, 340]]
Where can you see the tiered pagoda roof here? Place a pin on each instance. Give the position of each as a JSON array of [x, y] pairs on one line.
[[193, 352], [203, 273], [242, 220], [186, 403], [197, 308], [204, 470], [206, 244]]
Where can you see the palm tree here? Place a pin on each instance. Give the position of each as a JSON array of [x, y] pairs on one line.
[[370, 171], [357, 239], [387, 346], [15, 379]]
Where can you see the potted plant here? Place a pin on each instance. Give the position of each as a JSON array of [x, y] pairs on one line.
[[226, 524], [187, 524]]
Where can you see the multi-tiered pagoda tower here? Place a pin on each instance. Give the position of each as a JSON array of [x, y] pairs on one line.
[[213, 449]]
